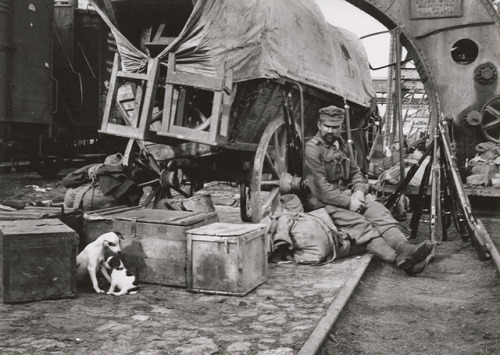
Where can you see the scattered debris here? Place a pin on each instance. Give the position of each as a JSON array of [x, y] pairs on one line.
[[38, 188], [43, 203]]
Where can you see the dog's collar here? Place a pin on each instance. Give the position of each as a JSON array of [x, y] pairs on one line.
[[119, 268]]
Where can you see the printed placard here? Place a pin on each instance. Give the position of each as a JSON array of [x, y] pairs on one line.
[[424, 9]]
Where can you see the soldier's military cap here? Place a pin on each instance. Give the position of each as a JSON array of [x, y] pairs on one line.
[[332, 114]]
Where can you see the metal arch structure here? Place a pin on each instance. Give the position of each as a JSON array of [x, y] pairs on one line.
[[453, 89]]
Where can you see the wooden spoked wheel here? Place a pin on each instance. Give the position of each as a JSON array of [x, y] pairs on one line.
[[490, 122], [145, 171], [272, 159]]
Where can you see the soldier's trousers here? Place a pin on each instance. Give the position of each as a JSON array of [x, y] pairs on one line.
[[363, 227]]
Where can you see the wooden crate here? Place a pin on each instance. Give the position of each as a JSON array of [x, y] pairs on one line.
[[73, 218], [225, 258], [37, 260], [154, 242], [99, 222]]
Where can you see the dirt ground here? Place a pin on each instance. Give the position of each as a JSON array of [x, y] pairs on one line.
[[451, 308], [20, 189]]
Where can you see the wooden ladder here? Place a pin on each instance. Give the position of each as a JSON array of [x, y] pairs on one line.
[[216, 128], [135, 105]]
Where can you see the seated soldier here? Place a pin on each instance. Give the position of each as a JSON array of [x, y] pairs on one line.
[[337, 182], [98, 186]]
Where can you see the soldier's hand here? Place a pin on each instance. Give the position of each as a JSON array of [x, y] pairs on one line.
[[356, 205], [359, 195]]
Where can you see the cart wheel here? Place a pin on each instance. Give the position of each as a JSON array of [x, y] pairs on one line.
[[245, 209], [272, 158]]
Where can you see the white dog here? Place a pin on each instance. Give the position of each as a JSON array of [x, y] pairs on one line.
[[91, 259], [120, 277]]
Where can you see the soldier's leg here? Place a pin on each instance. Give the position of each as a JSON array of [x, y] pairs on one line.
[[354, 224], [379, 216], [379, 247], [407, 254], [362, 232]]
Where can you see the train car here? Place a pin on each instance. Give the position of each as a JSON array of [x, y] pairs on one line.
[[26, 76], [83, 59], [56, 64]]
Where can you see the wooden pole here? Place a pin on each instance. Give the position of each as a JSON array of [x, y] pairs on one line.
[[399, 104], [348, 129], [389, 115]]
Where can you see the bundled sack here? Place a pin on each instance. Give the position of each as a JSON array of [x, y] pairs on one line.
[[485, 165], [307, 238], [393, 174], [99, 186]]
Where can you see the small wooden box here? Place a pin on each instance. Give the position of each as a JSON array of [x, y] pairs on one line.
[[154, 242], [37, 260], [225, 258]]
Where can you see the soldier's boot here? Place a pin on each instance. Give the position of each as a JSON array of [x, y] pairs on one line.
[[408, 254], [379, 248], [420, 266]]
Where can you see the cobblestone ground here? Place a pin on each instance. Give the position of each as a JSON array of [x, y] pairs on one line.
[[276, 318], [451, 308]]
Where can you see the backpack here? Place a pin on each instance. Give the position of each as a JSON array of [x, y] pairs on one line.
[[308, 238]]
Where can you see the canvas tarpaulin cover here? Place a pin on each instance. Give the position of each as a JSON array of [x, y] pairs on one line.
[[266, 39]]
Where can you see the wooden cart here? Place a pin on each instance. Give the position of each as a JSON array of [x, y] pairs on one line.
[[190, 124], [207, 129]]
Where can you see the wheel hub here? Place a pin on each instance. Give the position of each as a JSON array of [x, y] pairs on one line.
[[473, 118], [486, 73], [169, 179]]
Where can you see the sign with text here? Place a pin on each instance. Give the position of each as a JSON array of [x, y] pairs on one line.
[[425, 9]]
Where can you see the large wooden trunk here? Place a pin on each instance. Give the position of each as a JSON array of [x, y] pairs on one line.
[[37, 260], [225, 258], [154, 242], [73, 218]]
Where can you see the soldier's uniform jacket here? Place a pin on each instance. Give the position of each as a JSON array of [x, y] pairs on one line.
[[330, 173]]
